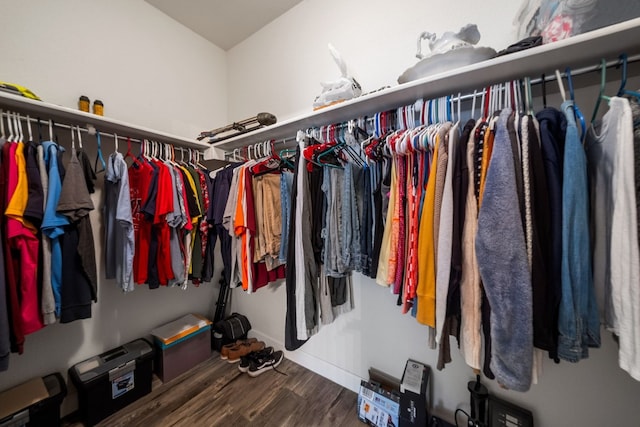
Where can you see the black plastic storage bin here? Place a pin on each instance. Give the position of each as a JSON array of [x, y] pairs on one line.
[[113, 380], [28, 403]]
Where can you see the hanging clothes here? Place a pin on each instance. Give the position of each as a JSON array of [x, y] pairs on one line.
[[502, 261], [578, 322], [553, 128], [5, 328], [460, 182], [445, 242], [48, 303], [221, 193], [79, 277], [119, 235], [23, 242], [616, 254], [140, 176], [292, 342]]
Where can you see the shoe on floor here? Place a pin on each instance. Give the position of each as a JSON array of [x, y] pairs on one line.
[[224, 351], [267, 364], [254, 357], [243, 349]]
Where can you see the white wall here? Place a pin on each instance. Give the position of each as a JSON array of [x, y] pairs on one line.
[[278, 70], [148, 70]]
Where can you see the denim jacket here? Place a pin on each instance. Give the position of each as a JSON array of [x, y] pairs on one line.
[[578, 321]]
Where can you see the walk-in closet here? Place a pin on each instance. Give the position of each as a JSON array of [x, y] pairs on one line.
[[319, 213]]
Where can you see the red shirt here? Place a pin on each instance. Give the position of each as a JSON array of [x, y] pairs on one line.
[[164, 205], [139, 180]]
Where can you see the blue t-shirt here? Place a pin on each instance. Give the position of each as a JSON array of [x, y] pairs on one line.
[[53, 223]]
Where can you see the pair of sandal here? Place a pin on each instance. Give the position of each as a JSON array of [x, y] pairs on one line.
[[234, 351]]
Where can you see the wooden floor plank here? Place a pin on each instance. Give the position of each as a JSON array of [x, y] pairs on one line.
[[216, 393]]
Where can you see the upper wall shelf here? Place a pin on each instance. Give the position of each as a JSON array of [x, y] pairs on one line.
[[581, 50], [70, 116]]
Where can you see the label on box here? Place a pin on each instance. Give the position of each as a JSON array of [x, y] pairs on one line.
[[122, 385], [375, 408], [412, 378]]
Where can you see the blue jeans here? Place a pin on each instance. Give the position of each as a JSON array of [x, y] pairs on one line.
[[286, 182]]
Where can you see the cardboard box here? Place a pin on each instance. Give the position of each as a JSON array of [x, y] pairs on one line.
[[376, 406], [413, 395], [113, 380], [181, 345]]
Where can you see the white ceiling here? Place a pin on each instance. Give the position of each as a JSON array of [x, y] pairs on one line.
[[225, 23]]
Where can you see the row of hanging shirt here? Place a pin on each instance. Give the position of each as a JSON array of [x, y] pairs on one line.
[[47, 256], [157, 213], [153, 234], [485, 233], [251, 218]]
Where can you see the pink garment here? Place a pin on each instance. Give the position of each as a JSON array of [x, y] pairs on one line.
[[402, 236], [24, 251]]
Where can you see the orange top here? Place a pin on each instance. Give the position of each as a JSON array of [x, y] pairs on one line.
[[426, 290]]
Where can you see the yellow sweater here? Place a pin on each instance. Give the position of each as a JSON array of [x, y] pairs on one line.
[[426, 291]]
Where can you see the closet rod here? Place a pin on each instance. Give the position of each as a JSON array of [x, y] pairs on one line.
[[7, 114], [548, 78], [552, 77]]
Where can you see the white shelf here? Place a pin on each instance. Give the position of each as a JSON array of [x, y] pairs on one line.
[[70, 116], [581, 50]]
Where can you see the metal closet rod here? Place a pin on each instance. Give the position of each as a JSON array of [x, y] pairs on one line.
[[476, 94], [552, 77], [9, 114]]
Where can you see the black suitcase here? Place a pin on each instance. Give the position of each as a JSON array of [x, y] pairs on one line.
[[113, 380], [34, 403]]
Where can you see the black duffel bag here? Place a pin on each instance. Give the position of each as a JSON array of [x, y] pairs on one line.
[[230, 329]]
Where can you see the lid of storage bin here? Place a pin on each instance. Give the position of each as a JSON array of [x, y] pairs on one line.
[[180, 328], [22, 396]]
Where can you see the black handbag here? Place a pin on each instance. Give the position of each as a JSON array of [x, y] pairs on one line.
[[230, 329]]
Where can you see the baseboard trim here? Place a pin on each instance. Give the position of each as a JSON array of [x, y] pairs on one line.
[[334, 373]]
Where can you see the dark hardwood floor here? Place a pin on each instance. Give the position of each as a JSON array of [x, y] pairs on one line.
[[215, 393]]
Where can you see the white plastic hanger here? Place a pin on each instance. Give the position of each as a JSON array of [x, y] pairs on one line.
[[50, 130], [561, 86], [473, 105], [79, 137], [10, 127], [19, 126], [73, 139], [29, 129], [1, 125]]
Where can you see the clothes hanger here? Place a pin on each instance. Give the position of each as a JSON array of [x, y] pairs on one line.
[[473, 105], [99, 155], [601, 95], [73, 140], [39, 130], [129, 153], [19, 125], [10, 127], [198, 164], [79, 137], [1, 125], [529, 93], [576, 110], [563, 94], [622, 91], [543, 79]]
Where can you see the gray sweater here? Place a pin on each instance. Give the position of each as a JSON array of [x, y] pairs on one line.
[[502, 260]]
